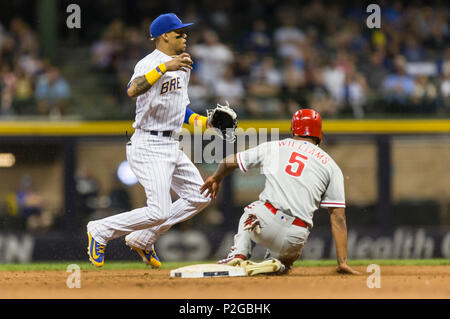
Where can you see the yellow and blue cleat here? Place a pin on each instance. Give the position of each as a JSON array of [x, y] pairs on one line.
[[96, 252], [149, 257]]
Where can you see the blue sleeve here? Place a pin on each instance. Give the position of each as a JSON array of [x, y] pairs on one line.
[[187, 115]]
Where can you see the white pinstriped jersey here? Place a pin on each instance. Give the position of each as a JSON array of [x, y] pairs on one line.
[[300, 176], [163, 106]]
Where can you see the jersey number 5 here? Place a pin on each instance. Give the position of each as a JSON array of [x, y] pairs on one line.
[[295, 158]]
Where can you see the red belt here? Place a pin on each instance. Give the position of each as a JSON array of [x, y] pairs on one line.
[[297, 221]]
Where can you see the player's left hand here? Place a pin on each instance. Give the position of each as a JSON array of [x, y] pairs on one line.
[[211, 186], [208, 123], [224, 119], [346, 270]]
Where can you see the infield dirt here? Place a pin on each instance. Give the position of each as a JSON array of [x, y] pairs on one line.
[[405, 282]]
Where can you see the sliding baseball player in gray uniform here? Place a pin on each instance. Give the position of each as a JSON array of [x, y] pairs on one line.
[[300, 178]]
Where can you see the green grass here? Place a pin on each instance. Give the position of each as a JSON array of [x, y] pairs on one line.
[[117, 265], [111, 265], [381, 262]]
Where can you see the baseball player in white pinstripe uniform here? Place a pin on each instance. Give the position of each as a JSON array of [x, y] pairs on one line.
[[160, 83], [300, 178]]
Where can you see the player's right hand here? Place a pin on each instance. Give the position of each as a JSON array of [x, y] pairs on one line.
[[211, 186], [179, 62]]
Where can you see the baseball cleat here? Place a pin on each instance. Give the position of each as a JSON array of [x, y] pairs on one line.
[[265, 267], [234, 260], [96, 252], [149, 257]]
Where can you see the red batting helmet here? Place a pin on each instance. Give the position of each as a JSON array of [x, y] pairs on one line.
[[307, 122]]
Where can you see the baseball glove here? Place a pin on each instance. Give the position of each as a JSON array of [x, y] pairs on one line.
[[224, 120]]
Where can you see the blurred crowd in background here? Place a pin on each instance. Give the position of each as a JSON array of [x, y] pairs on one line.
[[265, 58], [29, 83]]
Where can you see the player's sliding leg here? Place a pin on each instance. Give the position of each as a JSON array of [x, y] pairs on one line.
[[281, 237], [286, 248], [243, 245]]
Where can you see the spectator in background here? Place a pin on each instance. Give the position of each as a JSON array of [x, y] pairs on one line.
[[412, 50], [20, 65], [229, 88], [2, 33], [52, 93], [264, 89], [31, 64], [444, 88], [334, 78], [315, 14], [211, 57], [25, 39], [424, 98], [439, 34], [445, 92], [220, 15], [24, 93], [31, 206], [8, 82], [378, 40], [352, 94], [398, 87], [292, 90], [393, 13], [29, 201], [244, 64], [113, 54], [319, 97], [350, 38], [259, 40], [130, 52], [288, 37], [104, 53], [374, 70], [200, 95], [445, 63]]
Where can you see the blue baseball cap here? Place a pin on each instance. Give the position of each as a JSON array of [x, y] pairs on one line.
[[165, 23]]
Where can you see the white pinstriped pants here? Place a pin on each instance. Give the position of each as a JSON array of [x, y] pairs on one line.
[[159, 165]]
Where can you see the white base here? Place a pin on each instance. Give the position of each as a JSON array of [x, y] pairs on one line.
[[208, 271]]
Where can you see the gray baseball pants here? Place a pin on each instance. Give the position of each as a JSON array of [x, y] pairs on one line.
[[284, 239]]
